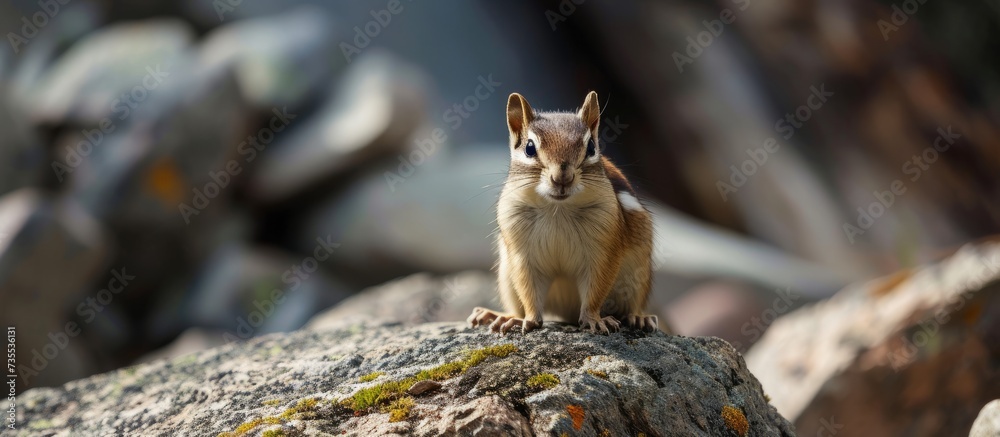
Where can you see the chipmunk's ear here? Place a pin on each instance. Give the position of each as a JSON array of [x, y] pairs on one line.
[[519, 114], [590, 112]]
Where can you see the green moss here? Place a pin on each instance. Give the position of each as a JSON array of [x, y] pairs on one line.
[[273, 433], [370, 377], [249, 426], [399, 409], [304, 409], [544, 381], [598, 373], [477, 356], [441, 372], [386, 392], [271, 402]]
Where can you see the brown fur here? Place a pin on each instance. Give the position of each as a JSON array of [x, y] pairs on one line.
[[586, 256]]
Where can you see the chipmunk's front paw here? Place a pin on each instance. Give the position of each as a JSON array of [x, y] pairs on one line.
[[500, 322], [604, 325], [505, 323], [482, 316], [645, 322]]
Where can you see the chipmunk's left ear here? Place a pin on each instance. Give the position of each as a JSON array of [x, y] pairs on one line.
[[590, 112]]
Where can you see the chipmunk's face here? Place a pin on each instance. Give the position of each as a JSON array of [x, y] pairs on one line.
[[556, 154]]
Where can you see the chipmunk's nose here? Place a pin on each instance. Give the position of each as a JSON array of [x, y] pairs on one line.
[[562, 178]]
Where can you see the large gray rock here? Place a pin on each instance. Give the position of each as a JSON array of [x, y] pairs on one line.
[[372, 112], [988, 422], [51, 251], [304, 383], [98, 77], [282, 60], [912, 354], [235, 292]]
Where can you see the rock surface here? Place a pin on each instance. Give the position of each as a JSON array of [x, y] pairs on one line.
[[916, 353], [555, 381], [988, 422]]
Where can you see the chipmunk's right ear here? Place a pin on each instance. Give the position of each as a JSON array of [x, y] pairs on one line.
[[519, 115]]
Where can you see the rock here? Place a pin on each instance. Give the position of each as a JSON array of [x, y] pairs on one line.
[[723, 309], [307, 383], [32, 62], [428, 298], [988, 422], [485, 416], [50, 253], [687, 247], [249, 291], [281, 60], [164, 177], [373, 111], [915, 353], [410, 226], [422, 387], [97, 78], [20, 148]]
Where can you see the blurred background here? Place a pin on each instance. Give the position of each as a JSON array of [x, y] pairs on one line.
[[181, 174]]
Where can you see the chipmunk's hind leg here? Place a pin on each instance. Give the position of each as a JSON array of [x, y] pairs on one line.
[[631, 291]]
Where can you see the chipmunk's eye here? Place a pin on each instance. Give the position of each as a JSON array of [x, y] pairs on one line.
[[530, 149], [591, 148]]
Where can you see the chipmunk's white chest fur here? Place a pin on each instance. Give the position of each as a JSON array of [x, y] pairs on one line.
[[558, 239]]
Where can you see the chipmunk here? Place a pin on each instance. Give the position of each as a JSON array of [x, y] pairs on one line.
[[573, 239]]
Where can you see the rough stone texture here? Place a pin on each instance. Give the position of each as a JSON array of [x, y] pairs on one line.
[[988, 422], [624, 384], [916, 353]]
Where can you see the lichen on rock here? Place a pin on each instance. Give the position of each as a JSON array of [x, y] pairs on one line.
[[552, 381]]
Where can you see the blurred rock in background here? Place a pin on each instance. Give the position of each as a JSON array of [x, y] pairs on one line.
[[988, 422], [415, 299], [48, 248], [218, 154], [915, 353]]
